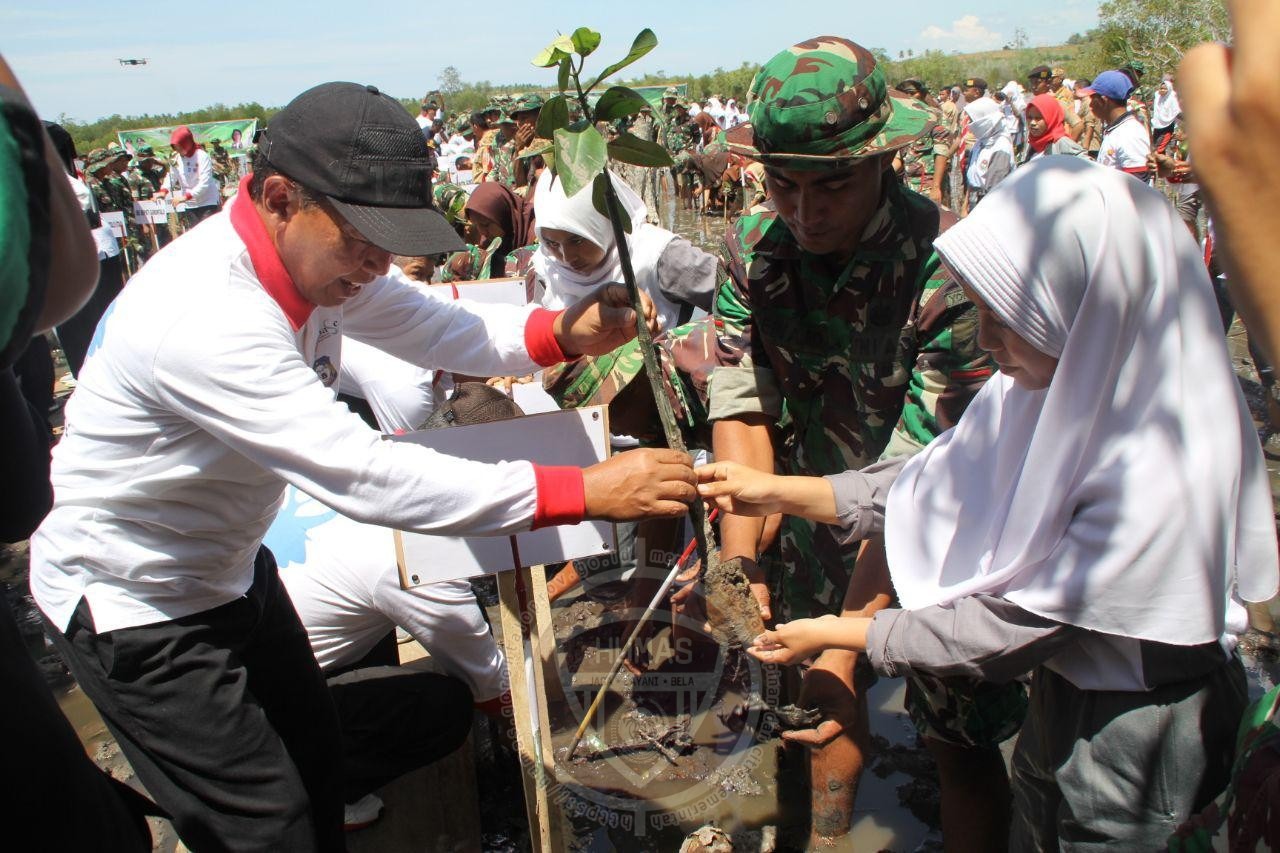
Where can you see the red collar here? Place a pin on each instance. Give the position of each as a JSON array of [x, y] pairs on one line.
[[266, 262]]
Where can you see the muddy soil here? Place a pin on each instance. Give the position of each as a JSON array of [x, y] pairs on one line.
[[732, 611]]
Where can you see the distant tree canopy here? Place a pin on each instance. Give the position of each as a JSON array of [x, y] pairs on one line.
[[1158, 32]]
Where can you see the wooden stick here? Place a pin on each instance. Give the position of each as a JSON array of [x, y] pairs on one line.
[[626, 648]]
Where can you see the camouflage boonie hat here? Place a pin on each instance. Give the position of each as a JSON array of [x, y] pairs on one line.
[[503, 118], [115, 152], [145, 151], [824, 103], [670, 92], [451, 202], [525, 104], [96, 159]]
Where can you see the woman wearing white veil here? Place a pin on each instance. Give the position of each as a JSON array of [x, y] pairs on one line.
[[1097, 516]]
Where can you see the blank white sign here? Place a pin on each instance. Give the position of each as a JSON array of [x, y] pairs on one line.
[[578, 437]]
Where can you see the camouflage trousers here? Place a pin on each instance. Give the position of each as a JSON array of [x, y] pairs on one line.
[[811, 581]]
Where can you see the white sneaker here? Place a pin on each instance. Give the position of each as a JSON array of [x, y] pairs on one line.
[[364, 812]]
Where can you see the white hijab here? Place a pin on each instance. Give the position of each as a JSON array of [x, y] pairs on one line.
[[1130, 496], [1166, 109], [577, 215], [986, 123]]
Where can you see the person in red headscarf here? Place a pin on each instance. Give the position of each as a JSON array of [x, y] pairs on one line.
[[1047, 129], [195, 190]]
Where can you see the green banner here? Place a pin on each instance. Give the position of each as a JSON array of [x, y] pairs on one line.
[[653, 94], [236, 135]]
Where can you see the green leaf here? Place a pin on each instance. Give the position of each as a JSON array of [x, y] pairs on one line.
[[600, 204], [554, 115], [550, 55], [585, 40], [644, 43], [629, 148], [619, 102], [564, 43], [579, 157], [566, 65]]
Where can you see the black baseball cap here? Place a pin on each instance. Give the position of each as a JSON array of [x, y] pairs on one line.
[[1040, 72], [975, 83], [362, 151]]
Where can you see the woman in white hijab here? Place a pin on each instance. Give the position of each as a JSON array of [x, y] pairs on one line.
[[577, 253], [992, 157], [1164, 112], [1097, 516]]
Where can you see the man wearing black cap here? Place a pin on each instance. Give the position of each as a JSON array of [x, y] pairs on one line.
[[211, 387]]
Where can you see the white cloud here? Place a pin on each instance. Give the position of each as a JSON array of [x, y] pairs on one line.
[[966, 34]]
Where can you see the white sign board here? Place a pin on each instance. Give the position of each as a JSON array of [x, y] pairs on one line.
[[114, 219], [577, 437], [152, 211], [496, 291]]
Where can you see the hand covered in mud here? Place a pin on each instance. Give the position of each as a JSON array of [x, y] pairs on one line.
[[689, 598], [793, 642], [829, 688], [644, 483]]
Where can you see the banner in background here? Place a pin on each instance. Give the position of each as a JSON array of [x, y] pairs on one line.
[[236, 135], [653, 94]]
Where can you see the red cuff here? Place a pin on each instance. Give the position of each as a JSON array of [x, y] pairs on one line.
[[497, 707], [540, 337], [561, 496]]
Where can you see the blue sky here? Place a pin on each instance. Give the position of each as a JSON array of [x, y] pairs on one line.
[[66, 54]]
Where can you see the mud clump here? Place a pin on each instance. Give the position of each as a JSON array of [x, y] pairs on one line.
[[732, 611]]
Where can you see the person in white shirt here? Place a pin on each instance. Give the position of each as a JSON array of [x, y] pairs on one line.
[[427, 117], [211, 389], [191, 183], [1125, 140]]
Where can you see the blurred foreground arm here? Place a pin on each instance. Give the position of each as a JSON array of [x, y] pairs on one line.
[[1228, 96]]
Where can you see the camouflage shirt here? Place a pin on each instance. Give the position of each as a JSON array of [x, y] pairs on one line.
[[858, 363], [495, 160], [680, 135], [918, 158]]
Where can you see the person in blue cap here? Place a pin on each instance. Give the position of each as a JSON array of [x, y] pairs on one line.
[[1125, 141]]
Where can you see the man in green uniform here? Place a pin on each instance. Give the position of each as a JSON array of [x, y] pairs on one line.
[[525, 110], [226, 170], [681, 136], [113, 188], [842, 342], [923, 163]]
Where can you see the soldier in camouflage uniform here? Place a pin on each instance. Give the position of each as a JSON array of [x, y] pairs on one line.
[[681, 136], [924, 161], [226, 170], [113, 194], [495, 159], [525, 110], [841, 341]]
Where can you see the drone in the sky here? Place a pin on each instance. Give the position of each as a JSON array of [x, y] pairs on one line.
[[132, 61]]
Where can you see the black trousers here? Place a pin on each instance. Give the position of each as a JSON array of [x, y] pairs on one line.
[[224, 716], [395, 720], [76, 333]]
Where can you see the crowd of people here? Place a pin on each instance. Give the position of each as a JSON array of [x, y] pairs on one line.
[[960, 374]]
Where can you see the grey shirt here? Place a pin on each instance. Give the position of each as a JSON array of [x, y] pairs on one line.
[[990, 638]]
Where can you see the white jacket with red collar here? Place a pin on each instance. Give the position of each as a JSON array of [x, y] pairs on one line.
[[210, 386]]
